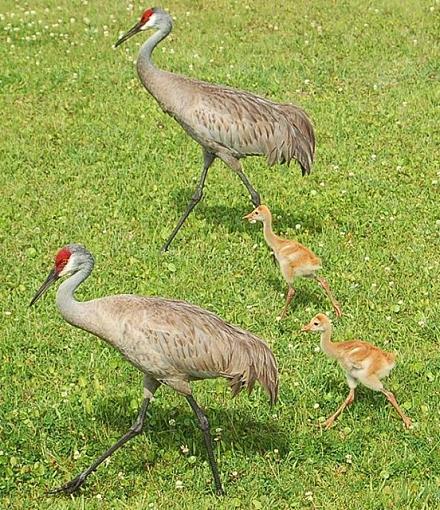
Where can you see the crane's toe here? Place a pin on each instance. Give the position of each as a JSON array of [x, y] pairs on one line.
[[408, 423], [328, 424], [220, 491], [69, 487]]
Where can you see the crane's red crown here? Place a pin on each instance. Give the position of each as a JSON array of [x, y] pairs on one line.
[[61, 259], [147, 15]]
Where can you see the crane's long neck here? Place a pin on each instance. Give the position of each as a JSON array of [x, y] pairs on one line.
[[145, 66], [269, 236], [73, 311], [327, 345]]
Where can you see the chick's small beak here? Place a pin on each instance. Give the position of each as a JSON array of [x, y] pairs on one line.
[[248, 216], [306, 328], [134, 30], [52, 277]]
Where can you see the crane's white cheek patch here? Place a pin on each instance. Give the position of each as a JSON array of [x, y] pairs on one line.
[[252, 221], [150, 23], [67, 268]]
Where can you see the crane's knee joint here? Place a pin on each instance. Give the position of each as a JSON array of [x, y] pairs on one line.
[[204, 423], [198, 195], [137, 427]]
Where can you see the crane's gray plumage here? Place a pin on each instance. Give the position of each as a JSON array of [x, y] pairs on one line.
[[177, 342], [170, 342], [229, 124]]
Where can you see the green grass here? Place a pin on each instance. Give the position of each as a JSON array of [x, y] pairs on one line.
[[87, 156]]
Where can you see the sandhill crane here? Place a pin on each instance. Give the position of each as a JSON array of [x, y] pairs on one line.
[[170, 342], [229, 124], [295, 259], [362, 363]]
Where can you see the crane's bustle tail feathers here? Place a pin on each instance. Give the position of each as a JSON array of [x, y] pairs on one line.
[[298, 139], [253, 361]]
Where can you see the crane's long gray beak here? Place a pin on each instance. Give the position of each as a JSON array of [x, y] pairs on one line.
[[134, 30], [52, 277]]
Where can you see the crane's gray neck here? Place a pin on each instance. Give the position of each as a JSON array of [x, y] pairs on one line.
[[71, 309], [144, 62]]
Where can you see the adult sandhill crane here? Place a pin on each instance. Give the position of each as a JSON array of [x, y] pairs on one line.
[[362, 363], [229, 124], [295, 259], [170, 342]]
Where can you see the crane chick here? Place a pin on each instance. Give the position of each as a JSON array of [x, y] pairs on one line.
[[295, 259], [171, 342], [362, 363]]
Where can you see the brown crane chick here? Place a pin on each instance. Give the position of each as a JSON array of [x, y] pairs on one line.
[[295, 259], [362, 363]]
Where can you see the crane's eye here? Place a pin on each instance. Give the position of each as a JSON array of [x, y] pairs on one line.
[[316, 323]]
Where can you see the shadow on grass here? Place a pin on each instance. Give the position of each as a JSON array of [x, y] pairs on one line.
[[232, 217], [307, 293], [240, 428]]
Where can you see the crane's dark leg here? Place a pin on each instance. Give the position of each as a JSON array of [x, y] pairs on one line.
[[204, 425], [195, 199], [150, 386], [235, 164]]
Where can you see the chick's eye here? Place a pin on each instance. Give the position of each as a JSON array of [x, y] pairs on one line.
[[316, 323]]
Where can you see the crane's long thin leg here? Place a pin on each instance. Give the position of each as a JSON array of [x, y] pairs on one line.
[[235, 164], [134, 430], [204, 425], [290, 293], [195, 199], [349, 400], [150, 386], [392, 400], [324, 284]]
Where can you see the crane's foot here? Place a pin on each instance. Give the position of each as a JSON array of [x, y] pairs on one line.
[[165, 247], [407, 422], [282, 315], [69, 487], [328, 424], [220, 491]]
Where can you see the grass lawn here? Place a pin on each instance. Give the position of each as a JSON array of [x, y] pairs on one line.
[[87, 156]]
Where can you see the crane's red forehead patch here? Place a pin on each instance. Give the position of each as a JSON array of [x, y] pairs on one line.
[[146, 15], [61, 258]]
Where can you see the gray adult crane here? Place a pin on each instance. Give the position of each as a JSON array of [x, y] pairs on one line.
[[229, 124], [170, 342]]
